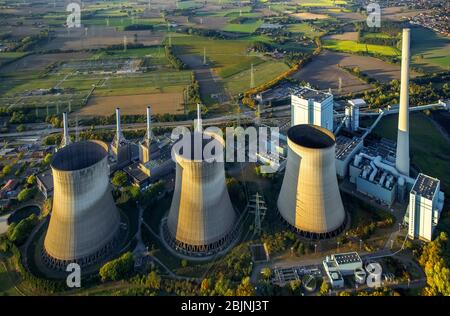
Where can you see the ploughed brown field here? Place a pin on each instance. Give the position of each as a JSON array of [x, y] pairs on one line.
[[134, 104]]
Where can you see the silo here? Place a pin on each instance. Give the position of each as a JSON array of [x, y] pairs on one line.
[[309, 199], [201, 220], [84, 222]]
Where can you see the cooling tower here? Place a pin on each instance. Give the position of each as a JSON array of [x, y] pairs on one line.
[[309, 199], [402, 160], [201, 219], [84, 220]]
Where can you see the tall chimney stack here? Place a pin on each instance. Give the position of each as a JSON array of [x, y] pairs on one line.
[[198, 127], [149, 124], [66, 138], [119, 136], [402, 161]]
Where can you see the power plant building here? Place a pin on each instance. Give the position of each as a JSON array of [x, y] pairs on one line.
[[309, 199], [352, 113], [84, 222], [309, 106], [425, 206], [201, 220]]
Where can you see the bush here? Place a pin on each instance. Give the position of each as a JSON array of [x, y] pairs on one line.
[[18, 233], [26, 194], [119, 179], [118, 268]]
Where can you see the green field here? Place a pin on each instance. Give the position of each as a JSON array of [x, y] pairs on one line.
[[430, 50], [6, 57], [249, 26], [430, 151], [262, 73], [6, 282], [304, 28], [320, 3], [354, 47], [226, 56]]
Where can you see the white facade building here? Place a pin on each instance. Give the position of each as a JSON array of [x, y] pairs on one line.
[[425, 205], [309, 106]]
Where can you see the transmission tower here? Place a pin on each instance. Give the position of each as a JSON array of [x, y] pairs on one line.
[[258, 207]]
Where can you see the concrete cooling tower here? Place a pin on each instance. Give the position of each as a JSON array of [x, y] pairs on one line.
[[84, 222], [309, 199], [201, 219]]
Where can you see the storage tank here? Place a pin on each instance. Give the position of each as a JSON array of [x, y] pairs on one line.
[[309, 199]]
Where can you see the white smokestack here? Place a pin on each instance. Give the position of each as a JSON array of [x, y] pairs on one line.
[[402, 161], [149, 124], [66, 137], [199, 119]]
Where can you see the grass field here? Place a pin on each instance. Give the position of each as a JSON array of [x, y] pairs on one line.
[[319, 3], [305, 28], [226, 56], [263, 73], [430, 151], [6, 57], [430, 50], [6, 284], [354, 47], [249, 26]]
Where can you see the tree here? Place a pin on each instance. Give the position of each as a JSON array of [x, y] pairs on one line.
[[31, 179], [119, 179], [266, 272], [18, 233], [118, 268], [48, 159], [20, 128], [25, 195], [324, 288], [245, 288], [6, 169], [184, 263], [295, 286], [153, 281]]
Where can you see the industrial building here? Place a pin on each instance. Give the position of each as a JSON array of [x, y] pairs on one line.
[[44, 183], [309, 106], [425, 206], [84, 223], [201, 220], [346, 149], [154, 158], [339, 265], [309, 200], [352, 113]]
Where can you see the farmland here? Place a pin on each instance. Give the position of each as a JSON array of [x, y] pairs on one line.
[[429, 50], [355, 47]]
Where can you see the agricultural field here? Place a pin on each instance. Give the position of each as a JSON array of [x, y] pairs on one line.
[[262, 73], [355, 47], [429, 50], [323, 72], [249, 25], [306, 29], [226, 57], [320, 3], [430, 150], [134, 104], [7, 57]]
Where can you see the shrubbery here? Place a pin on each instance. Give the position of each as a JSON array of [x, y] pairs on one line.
[[117, 269]]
